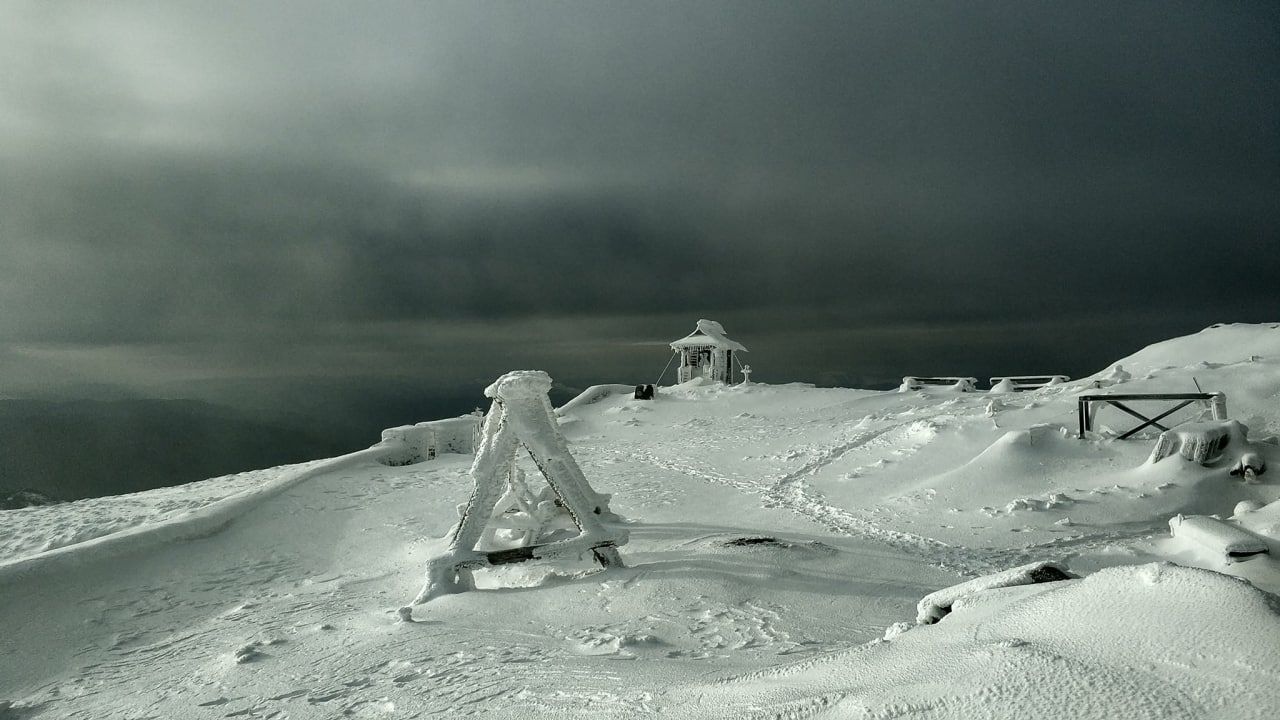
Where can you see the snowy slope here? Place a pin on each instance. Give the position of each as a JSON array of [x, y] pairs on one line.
[[1217, 345], [778, 535]]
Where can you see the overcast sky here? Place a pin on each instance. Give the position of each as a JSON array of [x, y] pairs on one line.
[[200, 194]]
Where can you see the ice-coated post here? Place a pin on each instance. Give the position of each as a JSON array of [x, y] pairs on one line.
[[1218, 406]]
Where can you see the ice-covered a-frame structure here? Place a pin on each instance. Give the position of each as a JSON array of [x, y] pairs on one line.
[[707, 353], [521, 416]]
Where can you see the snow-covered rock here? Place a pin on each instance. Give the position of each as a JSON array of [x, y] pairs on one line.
[[936, 605]]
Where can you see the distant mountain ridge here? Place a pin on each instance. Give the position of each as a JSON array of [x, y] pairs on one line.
[[67, 450], [23, 498]]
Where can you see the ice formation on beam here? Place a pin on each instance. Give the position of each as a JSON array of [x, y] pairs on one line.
[[521, 415]]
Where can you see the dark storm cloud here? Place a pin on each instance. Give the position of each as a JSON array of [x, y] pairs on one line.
[[213, 183]]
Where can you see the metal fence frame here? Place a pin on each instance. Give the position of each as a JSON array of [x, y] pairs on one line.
[[1217, 403]]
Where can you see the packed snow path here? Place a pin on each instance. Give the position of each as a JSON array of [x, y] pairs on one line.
[[872, 445], [791, 492]]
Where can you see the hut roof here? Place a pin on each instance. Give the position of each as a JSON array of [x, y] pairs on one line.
[[709, 332]]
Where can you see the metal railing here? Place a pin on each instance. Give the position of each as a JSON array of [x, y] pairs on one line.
[[1217, 404]]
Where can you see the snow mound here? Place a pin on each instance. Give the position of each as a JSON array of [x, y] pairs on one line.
[[1221, 344], [593, 395], [1004, 386], [1134, 642], [37, 529], [936, 605], [1221, 538], [1263, 521]]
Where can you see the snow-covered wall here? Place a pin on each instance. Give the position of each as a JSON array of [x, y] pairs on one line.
[[408, 444], [455, 435]]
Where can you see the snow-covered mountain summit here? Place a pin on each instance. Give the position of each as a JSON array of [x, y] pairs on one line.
[[780, 539]]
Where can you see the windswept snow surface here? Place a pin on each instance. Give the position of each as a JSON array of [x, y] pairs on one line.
[[779, 535], [40, 528]]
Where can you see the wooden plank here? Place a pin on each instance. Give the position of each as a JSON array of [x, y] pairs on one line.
[[514, 555], [529, 552]]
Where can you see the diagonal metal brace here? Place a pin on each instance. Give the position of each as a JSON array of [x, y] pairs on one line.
[[1216, 401], [1149, 421]]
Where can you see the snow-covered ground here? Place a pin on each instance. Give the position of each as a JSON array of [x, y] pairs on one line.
[[780, 539]]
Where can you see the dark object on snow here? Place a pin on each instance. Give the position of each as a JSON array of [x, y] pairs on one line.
[[1250, 466], [765, 541], [963, 384], [530, 552], [644, 392], [1048, 573], [745, 541]]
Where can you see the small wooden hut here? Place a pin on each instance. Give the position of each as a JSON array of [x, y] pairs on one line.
[[707, 353]]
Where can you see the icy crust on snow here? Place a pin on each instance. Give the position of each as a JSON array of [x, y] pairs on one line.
[[1153, 641], [33, 530], [26, 532], [97, 529]]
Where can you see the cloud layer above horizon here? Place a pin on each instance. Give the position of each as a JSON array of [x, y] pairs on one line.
[[208, 186]]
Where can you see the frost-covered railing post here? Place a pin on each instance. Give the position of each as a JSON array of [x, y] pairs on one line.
[[521, 415]]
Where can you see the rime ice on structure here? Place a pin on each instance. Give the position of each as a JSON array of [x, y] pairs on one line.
[[1201, 442], [706, 353], [521, 415]]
